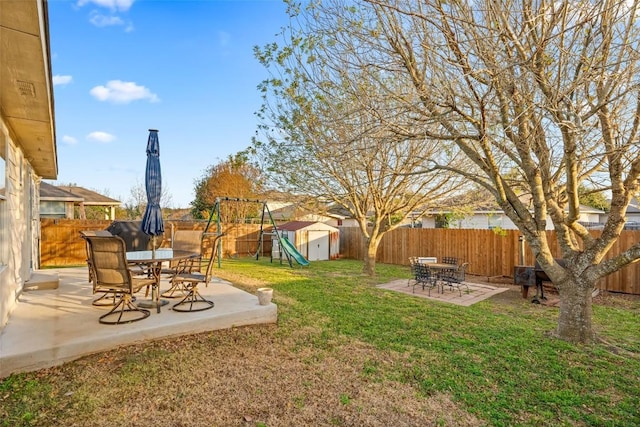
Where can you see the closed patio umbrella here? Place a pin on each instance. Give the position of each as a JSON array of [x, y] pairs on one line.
[[152, 223]]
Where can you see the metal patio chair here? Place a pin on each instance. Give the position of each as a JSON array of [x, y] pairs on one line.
[[454, 278], [424, 277], [193, 301], [112, 274], [413, 264], [106, 298], [450, 260], [184, 240]]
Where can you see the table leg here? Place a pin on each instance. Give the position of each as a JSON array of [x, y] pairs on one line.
[[155, 290]]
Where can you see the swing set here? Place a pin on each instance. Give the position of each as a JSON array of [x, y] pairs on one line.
[[285, 246]]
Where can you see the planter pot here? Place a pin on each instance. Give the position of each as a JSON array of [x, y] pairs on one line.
[[265, 295]]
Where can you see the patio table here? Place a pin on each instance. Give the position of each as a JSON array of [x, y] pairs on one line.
[[442, 270], [441, 266], [153, 260]]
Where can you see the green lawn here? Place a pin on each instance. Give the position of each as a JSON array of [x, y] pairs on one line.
[[492, 360]]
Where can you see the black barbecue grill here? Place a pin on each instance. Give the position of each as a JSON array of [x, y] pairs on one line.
[[541, 276]]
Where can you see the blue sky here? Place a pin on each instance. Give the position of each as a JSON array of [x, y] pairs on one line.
[[187, 68]]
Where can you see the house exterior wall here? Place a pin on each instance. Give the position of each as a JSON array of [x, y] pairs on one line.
[[484, 221], [630, 217], [348, 222], [634, 217], [589, 217], [474, 222], [319, 218], [19, 229], [428, 222]]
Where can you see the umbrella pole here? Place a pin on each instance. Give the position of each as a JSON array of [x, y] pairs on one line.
[[156, 299]]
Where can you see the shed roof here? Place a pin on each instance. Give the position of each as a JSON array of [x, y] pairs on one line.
[[299, 225]]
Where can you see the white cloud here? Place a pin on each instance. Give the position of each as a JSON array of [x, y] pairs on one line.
[[120, 92], [61, 80], [99, 136], [119, 5], [69, 140], [105, 21]]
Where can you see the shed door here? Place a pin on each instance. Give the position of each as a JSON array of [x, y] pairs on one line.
[[318, 245]]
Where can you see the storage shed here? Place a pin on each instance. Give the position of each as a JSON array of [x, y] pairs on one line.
[[316, 241]]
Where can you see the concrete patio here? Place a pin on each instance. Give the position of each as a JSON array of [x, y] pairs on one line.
[[53, 326]]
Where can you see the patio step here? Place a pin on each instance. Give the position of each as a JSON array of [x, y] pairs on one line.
[[41, 281]]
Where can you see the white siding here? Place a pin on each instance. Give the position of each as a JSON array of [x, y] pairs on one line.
[[428, 222], [19, 230], [349, 222], [477, 221]]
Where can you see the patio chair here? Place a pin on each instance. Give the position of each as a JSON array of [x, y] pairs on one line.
[[106, 298], [109, 260], [413, 264], [454, 278], [449, 260], [424, 277], [184, 240], [193, 301]]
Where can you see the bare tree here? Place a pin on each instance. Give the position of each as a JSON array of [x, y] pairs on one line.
[[540, 97], [137, 202], [549, 89], [332, 131]]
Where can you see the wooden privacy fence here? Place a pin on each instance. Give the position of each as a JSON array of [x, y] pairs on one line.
[[61, 244], [489, 253]]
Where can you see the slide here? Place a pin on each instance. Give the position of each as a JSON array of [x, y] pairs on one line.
[[291, 250]]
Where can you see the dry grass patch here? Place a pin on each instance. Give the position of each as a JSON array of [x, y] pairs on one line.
[[244, 377]]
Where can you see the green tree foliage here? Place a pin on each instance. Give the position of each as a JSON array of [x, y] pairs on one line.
[[595, 199]]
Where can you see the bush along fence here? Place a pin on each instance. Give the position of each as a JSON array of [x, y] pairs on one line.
[[489, 253]]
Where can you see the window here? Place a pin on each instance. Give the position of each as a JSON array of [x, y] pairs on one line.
[[52, 209]]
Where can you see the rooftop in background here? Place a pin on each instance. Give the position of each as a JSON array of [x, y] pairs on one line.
[[90, 197], [61, 201], [50, 192]]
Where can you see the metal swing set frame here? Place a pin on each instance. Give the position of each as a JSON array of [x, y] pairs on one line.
[[215, 215]]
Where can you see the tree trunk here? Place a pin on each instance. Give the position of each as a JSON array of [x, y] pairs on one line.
[[574, 321], [369, 267]]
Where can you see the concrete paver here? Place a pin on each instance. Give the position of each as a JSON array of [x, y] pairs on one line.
[[477, 292]]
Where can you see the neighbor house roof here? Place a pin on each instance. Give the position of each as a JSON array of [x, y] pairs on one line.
[[90, 197], [66, 193], [51, 193]]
